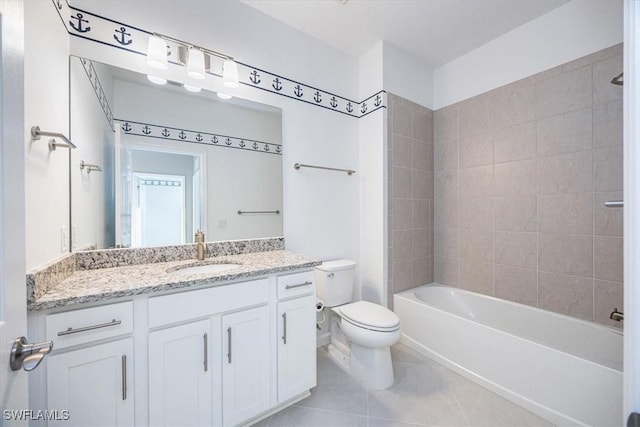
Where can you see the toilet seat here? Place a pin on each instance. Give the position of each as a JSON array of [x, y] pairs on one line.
[[368, 315]]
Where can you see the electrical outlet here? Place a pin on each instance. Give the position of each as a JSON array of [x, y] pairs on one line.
[[222, 223], [64, 239], [74, 237]]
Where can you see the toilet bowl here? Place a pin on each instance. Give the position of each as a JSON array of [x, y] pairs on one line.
[[361, 340]]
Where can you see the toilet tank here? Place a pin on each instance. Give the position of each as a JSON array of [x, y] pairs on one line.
[[334, 281]]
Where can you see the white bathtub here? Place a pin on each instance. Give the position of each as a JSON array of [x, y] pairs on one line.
[[566, 370]]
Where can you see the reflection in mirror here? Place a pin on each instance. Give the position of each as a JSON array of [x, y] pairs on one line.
[[172, 162]]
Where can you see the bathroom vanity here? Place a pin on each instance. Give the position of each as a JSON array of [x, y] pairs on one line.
[[165, 344]]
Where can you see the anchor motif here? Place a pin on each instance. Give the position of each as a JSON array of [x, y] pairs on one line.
[[317, 97], [215, 140], [363, 109], [278, 149], [277, 85], [334, 102], [199, 138], [228, 141], [255, 77], [349, 107], [378, 101], [146, 130], [298, 91], [255, 145], [79, 28], [166, 132], [126, 127], [242, 144], [122, 40], [182, 135], [266, 147]]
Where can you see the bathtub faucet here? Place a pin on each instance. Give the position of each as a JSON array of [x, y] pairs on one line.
[[616, 315]]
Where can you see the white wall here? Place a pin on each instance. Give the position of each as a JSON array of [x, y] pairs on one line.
[[46, 104], [569, 32], [407, 76]]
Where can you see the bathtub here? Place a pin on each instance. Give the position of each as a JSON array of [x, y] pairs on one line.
[[566, 370]]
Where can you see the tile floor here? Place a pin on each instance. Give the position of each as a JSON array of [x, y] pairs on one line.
[[425, 393]]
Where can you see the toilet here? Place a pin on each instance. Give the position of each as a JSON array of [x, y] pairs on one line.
[[362, 332]]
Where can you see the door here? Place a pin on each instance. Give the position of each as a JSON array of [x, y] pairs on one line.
[[94, 384], [180, 382], [245, 371], [13, 313], [296, 347]]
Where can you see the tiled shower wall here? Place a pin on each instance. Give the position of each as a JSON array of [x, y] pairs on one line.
[[410, 157], [521, 176]]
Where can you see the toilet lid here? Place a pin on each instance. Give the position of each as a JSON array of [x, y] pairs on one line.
[[370, 315]]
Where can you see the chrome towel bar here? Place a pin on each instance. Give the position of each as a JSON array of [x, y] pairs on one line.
[[36, 133], [89, 167], [300, 165], [276, 212], [614, 204]]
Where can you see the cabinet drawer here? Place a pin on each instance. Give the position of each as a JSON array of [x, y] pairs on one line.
[[184, 306], [89, 324], [296, 284]]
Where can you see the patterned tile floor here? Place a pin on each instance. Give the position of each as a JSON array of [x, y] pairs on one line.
[[425, 393]]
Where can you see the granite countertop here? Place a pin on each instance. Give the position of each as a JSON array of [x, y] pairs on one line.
[[104, 284]]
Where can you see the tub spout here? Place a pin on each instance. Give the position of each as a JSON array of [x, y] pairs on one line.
[[616, 315]]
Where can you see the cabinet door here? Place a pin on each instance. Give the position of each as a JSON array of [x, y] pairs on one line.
[[246, 362], [95, 384], [180, 383], [296, 347]]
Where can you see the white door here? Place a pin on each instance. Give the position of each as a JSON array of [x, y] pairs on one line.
[[94, 384], [180, 375], [13, 318], [296, 346], [246, 366], [631, 210]]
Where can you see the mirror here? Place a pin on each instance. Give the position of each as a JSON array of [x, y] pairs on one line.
[[155, 163]]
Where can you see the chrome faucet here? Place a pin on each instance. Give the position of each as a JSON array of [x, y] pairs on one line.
[[616, 315], [200, 249]]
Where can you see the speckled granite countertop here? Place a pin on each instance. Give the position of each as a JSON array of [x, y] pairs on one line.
[[90, 286]]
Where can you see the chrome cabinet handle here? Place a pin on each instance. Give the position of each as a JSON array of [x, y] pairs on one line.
[[307, 283], [229, 344], [284, 336], [124, 377], [206, 355], [70, 330]]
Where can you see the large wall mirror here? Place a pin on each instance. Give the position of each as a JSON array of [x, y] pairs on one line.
[[155, 163]]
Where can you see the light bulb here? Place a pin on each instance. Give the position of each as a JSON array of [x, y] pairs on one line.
[[224, 95], [195, 64], [157, 53], [230, 74], [157, 80], [191, 88]]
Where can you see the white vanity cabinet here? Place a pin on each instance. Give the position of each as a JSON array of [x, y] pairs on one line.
[[93, 381], [296, 346]]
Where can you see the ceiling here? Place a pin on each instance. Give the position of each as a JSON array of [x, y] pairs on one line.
[[435, 31]]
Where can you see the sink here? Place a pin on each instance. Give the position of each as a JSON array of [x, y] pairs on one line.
[[202, 269]]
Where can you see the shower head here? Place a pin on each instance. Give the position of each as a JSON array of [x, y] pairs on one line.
[[617, 80]]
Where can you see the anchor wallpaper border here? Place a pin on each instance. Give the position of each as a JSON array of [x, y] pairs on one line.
[[99, 29], [94, 80]]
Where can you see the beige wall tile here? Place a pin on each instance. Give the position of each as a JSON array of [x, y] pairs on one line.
[[446, 184], [446, 213], [402, 183], [421, 271], [516, 284], [447, 242], [422, 155], [570, 213], [477, 116], [402, 120], [603, 72], [515, 104], [515, 143], [516, 249], [421, 243], [566, 173], [476, 212], [445, 124], [608, 258], [402, 245], [515, 178], [422, 217], [402, 275], [566, 254], [422, 184], [565, 133], [566, 294], [476, 150], [476, 181], [402, 151], [607, 168], [607, 124], [401, 214], [608, 295], [569, 91], [607, 221], [515, 213], [476, 276], [445, 156], [476, 245], [422, 124], [446, 270]]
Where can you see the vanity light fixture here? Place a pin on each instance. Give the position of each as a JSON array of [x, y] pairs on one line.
[[230, 73], [157, 80], [195, 63], [157, 53], [191, 88]]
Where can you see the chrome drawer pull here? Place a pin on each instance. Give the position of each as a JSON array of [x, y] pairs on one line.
[[124, 377], [307, 283], [229, 344], [70, 330], [206, 353], [284, 336]]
